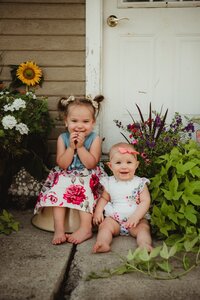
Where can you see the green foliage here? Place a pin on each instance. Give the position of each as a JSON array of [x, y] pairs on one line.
[[24, 120], [175, 192], [7, 223], [161, 263]]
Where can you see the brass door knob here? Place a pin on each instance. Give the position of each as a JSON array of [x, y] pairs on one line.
[[112, 20]]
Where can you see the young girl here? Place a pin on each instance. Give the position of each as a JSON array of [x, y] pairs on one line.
[[74, 183], [125, 201]]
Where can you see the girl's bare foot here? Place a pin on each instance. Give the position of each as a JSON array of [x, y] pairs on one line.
[[101, 247], [59, 238], [79, 236]]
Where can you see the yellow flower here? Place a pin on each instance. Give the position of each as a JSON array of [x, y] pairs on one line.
[[29, 73]]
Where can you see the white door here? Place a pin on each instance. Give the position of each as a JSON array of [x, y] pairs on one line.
[[152, 57]]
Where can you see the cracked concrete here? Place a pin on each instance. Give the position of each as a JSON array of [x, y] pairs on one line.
[[32, 268]]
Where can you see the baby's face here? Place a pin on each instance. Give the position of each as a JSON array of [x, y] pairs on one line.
[[123, 166]]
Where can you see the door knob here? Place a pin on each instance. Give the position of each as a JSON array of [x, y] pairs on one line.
[[112, 20]]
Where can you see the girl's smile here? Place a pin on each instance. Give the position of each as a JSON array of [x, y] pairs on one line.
[[80, 119]]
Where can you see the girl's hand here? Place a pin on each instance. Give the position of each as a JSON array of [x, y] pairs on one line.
[[73, 140], [80, 139], [132, 222], [98, 217]]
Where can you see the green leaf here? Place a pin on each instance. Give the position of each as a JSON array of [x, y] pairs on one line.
[[164, 251], [173, 250], [15, 226], [164, 266], [186, 262], [183, 168], [130, 255], [155, 251], [190, 244], [195, 199], [164, 230], [173, 217], [189, 213], [195, 172], [143, 255]]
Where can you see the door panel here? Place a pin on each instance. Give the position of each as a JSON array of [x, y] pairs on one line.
[[152, 57]]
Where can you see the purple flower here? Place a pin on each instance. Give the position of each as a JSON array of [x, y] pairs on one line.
[[158, 121], [189, 127], [151, 144]]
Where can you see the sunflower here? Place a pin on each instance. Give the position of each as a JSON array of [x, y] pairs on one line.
[[29, 73]]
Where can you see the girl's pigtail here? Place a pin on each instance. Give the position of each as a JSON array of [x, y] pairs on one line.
[[98, 99], [62, 104]]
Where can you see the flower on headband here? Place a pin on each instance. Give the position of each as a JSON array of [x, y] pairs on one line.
[[129, 151]]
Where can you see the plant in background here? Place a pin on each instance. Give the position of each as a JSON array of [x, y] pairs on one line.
[[25, 124], [175, 193], [7, 223], [23, 117], [153, 137]]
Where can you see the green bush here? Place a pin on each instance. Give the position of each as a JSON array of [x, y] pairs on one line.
[[175, 192]]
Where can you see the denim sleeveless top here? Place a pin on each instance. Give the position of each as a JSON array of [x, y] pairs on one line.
[[76, 163]]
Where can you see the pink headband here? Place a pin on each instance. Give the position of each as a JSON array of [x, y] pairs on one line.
[[125, 150]]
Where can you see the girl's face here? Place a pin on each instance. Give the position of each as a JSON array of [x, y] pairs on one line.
[[123, 166], [80, 119]]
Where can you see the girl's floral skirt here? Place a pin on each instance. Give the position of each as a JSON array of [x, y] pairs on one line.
[[77, 189]]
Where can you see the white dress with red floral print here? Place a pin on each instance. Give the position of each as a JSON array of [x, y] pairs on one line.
[[76, 187], [124, 195]]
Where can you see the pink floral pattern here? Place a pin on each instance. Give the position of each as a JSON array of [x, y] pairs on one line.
[[95, 185], [79, 189], [75, 194]]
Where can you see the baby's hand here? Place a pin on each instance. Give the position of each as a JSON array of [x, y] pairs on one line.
[[98, 217], [132, 222]]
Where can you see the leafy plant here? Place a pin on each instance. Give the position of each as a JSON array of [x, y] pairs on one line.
[[22, 117], [161, 263], [7, 223], [175, 192], [153, 137]]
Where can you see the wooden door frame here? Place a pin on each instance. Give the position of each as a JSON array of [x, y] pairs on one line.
[[94, 41]]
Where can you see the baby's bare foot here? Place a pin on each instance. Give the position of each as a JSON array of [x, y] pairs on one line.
[[100, 247], [79, 236], [146, 246], [59, 238]]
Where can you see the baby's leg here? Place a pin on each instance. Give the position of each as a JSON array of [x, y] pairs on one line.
[[107, 229], [84, 232], [59, 225], [142, 234]]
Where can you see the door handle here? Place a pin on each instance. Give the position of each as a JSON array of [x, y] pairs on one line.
[[112, 20]]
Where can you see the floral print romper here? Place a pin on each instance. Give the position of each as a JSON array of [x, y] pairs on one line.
[[75, 187], [125, 197]]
